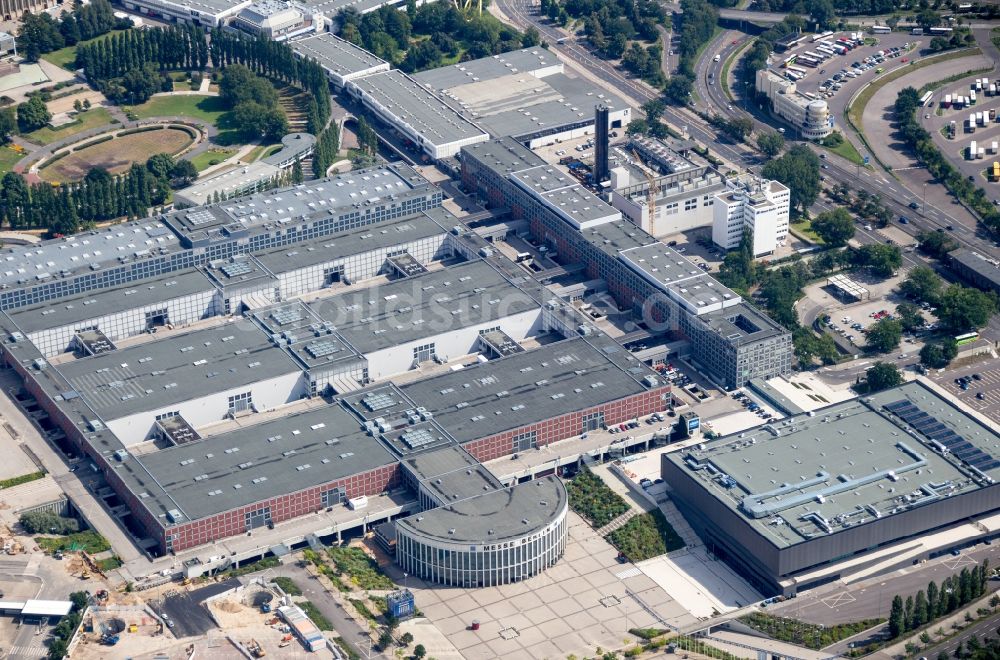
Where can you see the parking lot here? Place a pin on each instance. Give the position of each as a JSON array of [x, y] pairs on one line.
[[842, 75], [936, 118], [982, 392]]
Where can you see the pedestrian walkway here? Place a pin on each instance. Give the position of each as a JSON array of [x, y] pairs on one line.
[[618, 522], [680, 525]]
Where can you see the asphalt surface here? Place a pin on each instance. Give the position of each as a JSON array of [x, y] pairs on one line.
[[871, 598], [988, 385], [185, 609], [983, 629]]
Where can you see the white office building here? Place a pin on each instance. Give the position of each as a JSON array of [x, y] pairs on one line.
[[758, 205], [810, 116], [278, 20], [679, 202]]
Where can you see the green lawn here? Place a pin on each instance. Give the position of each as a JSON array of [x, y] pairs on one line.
[[207, 108], [84, 122], [260, 151], [845, 150], [8, 158], [88, 541], [804, 231], [66, 57], [213, 156]]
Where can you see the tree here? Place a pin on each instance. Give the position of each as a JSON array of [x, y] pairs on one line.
[[771, 143], [297, 176], [406, 639], [8, 125], [799, 170], [962, 309], [678, 89], [881, 376], [531, 37], [923, 285], [653, 110], [919, 611], [909, 316], [33, 114], [160, 165], [897, 621], [738, 128], [419, 651], [385, 640], [48, 523], [835, 227], [239, 85], [938, 355], [366, 137], [183, 173], [879, 258], [257, 120], [883, 336], [936, 244], [932, 601]]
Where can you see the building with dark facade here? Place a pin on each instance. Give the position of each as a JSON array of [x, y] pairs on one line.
[[803, 494], [977, 269]]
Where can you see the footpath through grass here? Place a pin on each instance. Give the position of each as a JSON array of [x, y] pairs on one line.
[[846, 150], [84, 121]]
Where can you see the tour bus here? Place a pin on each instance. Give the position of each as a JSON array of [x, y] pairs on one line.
[[967, 338]]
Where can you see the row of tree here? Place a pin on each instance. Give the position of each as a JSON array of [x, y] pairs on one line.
[[960, 309], [66, 628], [326, 149], [919, 140], [66, 208], [123, 64], [40, 33], [798, 169], [695, 26], [938, 601]]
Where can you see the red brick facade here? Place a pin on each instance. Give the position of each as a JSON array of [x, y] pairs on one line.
[[570, 424], [284, 507]]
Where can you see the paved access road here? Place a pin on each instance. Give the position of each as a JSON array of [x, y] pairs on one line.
[[986, 628], [872, 598]]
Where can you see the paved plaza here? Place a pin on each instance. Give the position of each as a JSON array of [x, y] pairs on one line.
[[587, 600]]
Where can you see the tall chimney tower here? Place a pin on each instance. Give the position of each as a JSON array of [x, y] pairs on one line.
[[601, 172]]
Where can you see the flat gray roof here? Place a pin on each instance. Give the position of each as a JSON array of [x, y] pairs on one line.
[[274, 208], [429, 304], [255, 463], [153, 291], [330, 8], [660, 264], [525, 61], [523, 92], [338, 56], [982, 265], [451, 474], [353, 242], [311, 341], [25, 265], [504, 155], [414, 104], [613, 237], [237, 272], [494, 517], [742, 323], [174, 369], [529, 387], [849, 464]]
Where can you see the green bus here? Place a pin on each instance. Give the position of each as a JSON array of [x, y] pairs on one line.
[[967, 338]]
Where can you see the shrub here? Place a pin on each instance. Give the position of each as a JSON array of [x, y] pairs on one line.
[[644, 536], [592, 499], [317, 617], [360, 568], [46, 522], [288, 585]]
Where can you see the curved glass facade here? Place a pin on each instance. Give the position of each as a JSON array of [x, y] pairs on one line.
[[487, 564]]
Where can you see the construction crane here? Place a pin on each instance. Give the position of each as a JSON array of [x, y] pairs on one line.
[[654, 188]]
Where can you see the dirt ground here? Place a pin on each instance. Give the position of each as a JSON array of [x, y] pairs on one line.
[[65, 104], [116, 155]]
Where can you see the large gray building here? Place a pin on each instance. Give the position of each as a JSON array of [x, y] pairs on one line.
[[790, 498]]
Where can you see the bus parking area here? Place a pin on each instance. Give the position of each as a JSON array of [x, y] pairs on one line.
[[839, 63]]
